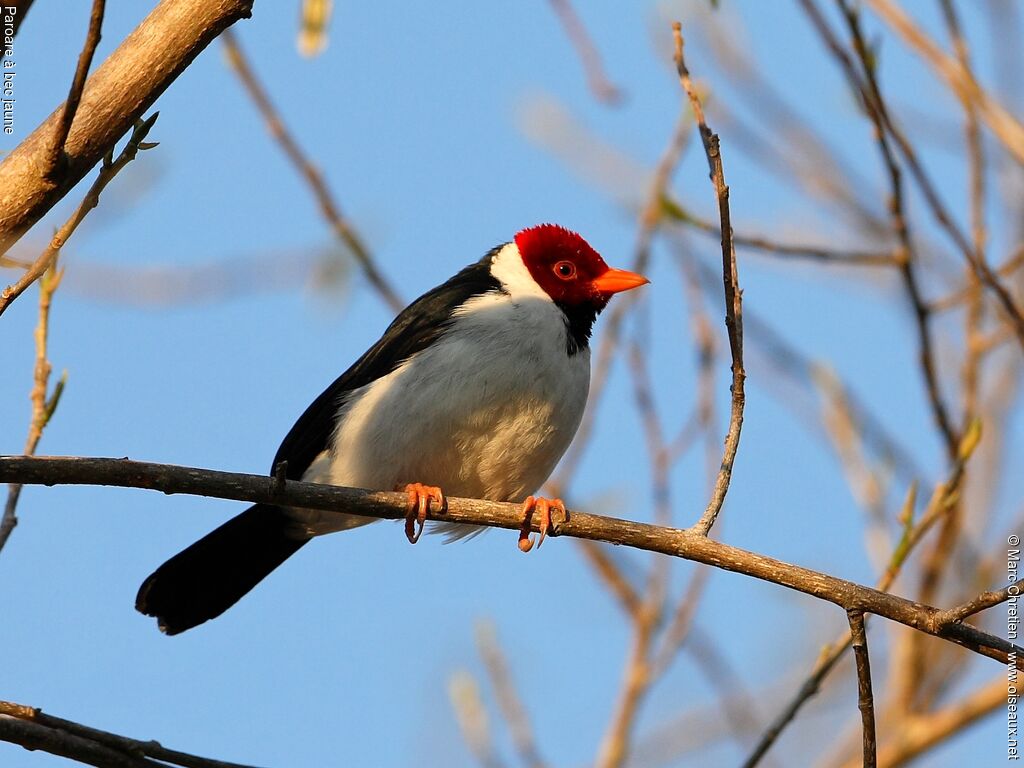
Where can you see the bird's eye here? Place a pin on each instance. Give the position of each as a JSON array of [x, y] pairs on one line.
[[565, 270]]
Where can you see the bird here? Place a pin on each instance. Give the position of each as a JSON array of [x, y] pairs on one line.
[[476, 388]]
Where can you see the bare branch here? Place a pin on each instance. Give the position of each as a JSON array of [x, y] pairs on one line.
[[508, 699], [612, 576], [982, 602], [115, 97], [913, 533], [43, 405], [32, 729], [339, 225], [170, 479], [865, 698], [464, 694], [733, 295], [107, 173], [871, 94], [924, 732], [816, 253], [67, 115], [1002, 123], [600, 86]]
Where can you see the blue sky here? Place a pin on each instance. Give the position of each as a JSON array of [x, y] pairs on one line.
[[416, 116]]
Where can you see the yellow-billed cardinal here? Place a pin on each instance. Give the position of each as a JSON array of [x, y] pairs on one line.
[[477, 387]]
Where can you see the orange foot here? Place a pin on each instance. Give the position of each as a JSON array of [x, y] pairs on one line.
[[544, 506], [420, 497]]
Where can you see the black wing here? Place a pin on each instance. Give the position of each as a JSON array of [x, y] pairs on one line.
[[416, 327]]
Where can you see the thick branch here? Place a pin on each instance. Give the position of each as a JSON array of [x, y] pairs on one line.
[[392, 506], [115, 96]]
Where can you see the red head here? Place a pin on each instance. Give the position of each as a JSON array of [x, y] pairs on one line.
[[568, 269]]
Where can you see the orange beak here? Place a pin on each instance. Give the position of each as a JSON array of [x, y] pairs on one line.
[[618, 280]]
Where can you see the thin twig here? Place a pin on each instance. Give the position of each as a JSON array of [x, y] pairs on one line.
[[109, 170], [956, 298], [651, 216], [612, 576], [816, 253], [617, 741], [788, 361], [865, 698], [117, 94], [922, 732], [733, 295], [43, 405], [877, 112], [982, 602], [675, 542], [63, 128], [602, 88], [330, 210], [1004, 126], [913, 533], [33, 729], [1005, 299]]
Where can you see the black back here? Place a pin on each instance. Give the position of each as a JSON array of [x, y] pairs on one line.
[[417, 326]]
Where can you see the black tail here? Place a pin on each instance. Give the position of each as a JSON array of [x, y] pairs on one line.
[[204, 580]]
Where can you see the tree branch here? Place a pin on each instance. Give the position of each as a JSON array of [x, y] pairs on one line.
[[115, 96], [43, 405], [865, 698], [339, 225], [170, 479], [107, 173], [67, 114], [32, 729], [733, 295]]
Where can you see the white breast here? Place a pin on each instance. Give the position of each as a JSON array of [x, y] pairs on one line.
[[486, 412]]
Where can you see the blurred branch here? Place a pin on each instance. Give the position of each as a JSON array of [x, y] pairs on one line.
[[913, 532], [339, 225], [110, 169], [471, 716], [508, 699], [612, 576], [315, 16], [43, 405], [953, 300], [766, 245], [649, 220], [600, 86], [114, 98], [34, 730], [684, 544], [908, 259], [787, 360], [733, 295], [875, 107], [56, 156], [1003, 124]]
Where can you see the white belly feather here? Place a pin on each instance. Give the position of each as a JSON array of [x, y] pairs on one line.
[[486, 412]]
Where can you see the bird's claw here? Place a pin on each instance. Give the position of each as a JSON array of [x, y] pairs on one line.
[[544, 506], [420, 497]]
